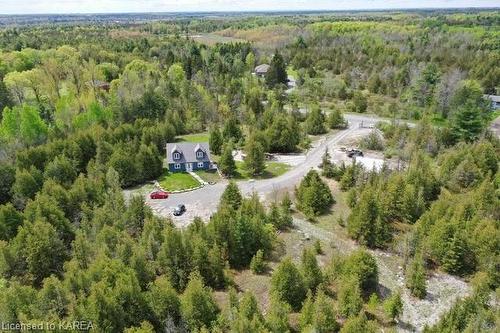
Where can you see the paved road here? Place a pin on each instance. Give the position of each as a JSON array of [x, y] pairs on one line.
[[203, 202]]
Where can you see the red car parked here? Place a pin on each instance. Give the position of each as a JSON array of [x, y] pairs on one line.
[[158, 195]]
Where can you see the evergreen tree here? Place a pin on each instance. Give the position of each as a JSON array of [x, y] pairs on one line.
[[393, 306], [42, 250], [123, 163], [227, 165], [217, 278], [454, 259], [329, 170], [231, 130], [310, 270], [163, 300], [10, 220], [467, 122], [280, 217], [149, 163], [26, 185], [277, 71], [232, 196], [313, 195], [173, 258], [61, 170], [53, 300], [415, 277], [349, 297], [360, 102], [288, 285], [284, 134], [7, 178], [306, 318], [365, 224], [136, 214], [198, 306], [324, 315], [336, 119], [315, 121], [215, 140], [254, 159], [257, 265], [277, 316], [348, 175], [362, 266], [249, 310]]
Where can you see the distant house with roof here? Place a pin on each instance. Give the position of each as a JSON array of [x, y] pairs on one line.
[[495, 101], [188, 156], [261, 70]]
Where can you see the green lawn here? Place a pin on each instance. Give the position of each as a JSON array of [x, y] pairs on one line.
[[273, 169], [210, 176], [197, 137], [177, 181]]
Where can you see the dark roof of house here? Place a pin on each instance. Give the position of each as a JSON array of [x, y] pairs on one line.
[[188, 152], [262, 69]]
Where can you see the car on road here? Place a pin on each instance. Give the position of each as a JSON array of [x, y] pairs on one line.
[[354, 153], [158, 195], [179, 210]]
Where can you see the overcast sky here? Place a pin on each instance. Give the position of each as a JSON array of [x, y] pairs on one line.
[[120, 6]]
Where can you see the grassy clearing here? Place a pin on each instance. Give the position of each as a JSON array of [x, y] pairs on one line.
[[210, 176], [212, 39], [197, 137], [177, 181], [273, 169]]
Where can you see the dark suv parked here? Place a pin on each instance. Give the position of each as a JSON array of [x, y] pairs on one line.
[[354, 152], [179, 210]]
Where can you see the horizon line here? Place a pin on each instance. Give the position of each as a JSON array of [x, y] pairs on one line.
[[381, 9]]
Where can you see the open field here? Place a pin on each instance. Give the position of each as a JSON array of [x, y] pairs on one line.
[[197, 137]]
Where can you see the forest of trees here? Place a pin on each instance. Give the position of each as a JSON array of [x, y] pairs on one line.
[[86, 110]]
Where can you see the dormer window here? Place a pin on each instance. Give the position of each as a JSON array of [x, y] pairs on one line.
[[199, 154], [177, 156]]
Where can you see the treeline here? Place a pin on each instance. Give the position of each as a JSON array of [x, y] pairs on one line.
[[415, 67], [132, 150]]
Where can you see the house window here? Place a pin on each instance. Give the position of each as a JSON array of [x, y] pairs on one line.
[[177, 156], [177, 166], [199, 154], [200, 164]]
